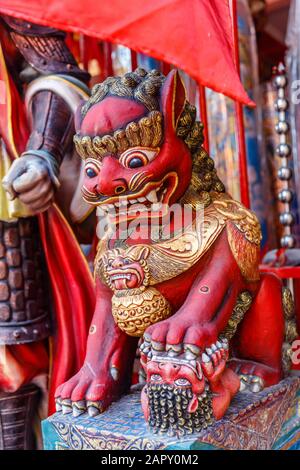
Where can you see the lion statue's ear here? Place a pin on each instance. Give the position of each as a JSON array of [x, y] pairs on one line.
[[173, 98], [78, 116]]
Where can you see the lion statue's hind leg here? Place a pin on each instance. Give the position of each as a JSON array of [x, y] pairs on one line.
[[257, 346]]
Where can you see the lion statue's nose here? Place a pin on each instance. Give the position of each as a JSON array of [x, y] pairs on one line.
[[118, 263]]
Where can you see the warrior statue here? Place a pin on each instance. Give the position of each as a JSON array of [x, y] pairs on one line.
[[209, 324], [41, 86]]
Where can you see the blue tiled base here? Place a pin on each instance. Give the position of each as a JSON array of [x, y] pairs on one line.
[[268, 420]]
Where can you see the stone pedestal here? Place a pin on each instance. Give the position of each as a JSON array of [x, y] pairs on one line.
[[268, 420]]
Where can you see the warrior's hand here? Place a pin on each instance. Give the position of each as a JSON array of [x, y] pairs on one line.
[[33, 179]]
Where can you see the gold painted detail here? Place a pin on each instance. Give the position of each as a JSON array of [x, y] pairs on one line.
[[290, 329], [288, 303], [147, 132], [135, 312], [135, 308], [242, 305], [245, 220], [287, 353], [204, 179], [190, 130], [244, 236]]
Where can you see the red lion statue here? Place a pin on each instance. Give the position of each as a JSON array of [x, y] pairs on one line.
[[209, 323]]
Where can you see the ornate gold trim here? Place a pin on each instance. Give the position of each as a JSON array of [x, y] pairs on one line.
[[291, 332], [245, 220], [242, 305], [167, 259], [147, 132]]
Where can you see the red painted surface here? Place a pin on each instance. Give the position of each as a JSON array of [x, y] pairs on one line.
[[203, 115]]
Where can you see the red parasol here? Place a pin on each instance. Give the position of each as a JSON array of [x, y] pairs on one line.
[[194, 35]]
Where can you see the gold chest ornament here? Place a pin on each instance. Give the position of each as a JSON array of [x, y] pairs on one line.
[[131, 272], [133, 313]]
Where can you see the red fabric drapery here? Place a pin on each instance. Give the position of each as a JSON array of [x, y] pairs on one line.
[[73, 295], [195, 35], [72, 285]]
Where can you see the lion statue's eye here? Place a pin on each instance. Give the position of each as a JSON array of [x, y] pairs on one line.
[[137, 157], [135, 162], [182, 382], [91, 168], [155, 378], [90, 172]]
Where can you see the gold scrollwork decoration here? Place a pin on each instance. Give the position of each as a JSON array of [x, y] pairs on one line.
[[147, 132], [134, 313]]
